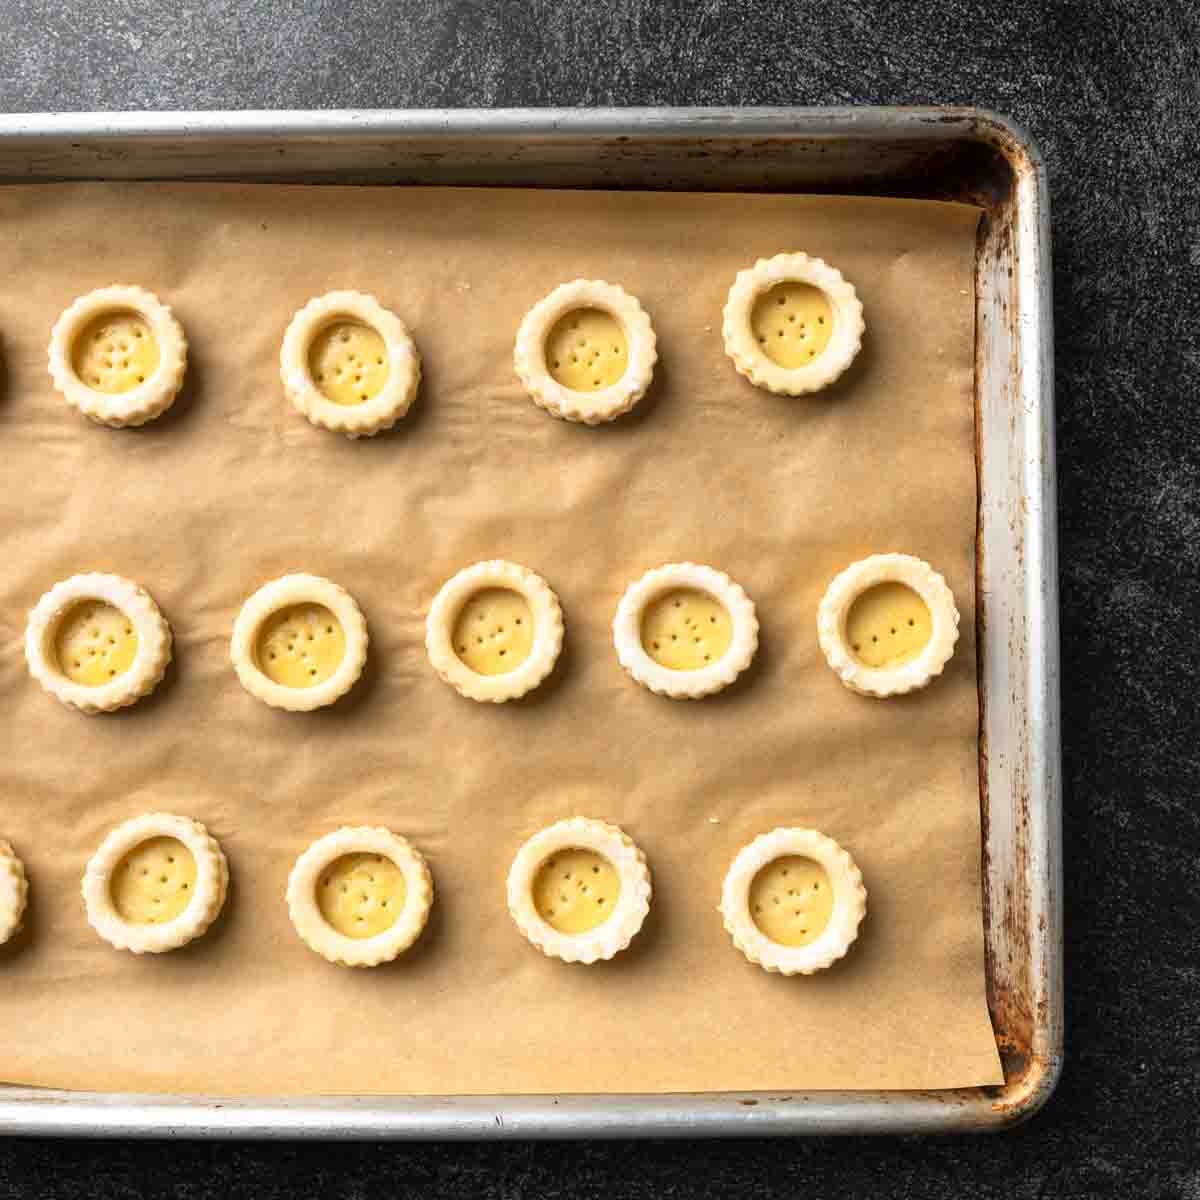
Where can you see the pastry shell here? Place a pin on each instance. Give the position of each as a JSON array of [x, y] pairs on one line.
[[145, 401], [849, 902], [320, 936], [547, 631], [633, 902], [685, 685], [382, 410], [14, 892], [212, 883], [283, 593], [848, 585], [153, 650], [605, 404], [749, 358]]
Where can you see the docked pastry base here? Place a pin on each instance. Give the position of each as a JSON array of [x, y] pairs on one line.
[[156, 883], [97, 642], [118, 355], [685, 631], [487, 616], [815, 945], [299, 643], [574, 855], [370, 882], [792, 324], [14, 892], [887, 625], [586, 352], [349, 365]]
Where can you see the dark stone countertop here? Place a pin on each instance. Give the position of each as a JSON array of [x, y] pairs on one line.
[[1111, 91]]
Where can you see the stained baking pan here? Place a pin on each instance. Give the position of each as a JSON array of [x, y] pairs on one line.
[[951, 153]]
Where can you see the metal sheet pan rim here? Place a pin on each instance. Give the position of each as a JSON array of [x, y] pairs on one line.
[[32, 1111]]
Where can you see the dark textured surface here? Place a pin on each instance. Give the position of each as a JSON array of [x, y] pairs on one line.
[[1111, 91]]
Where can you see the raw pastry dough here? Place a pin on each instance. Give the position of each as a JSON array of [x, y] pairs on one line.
[[118, 355], [300, 642], [564, 872], [793, 901], [792, 324], [156, 883], [349, 365], [586, 352], [685, 631], [97, 642], [887, 625], [360, 897], [14, 892], [494, 631]]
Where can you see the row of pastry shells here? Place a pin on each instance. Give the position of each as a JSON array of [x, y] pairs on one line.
[[153, 395], [602, 942], [155, 641]]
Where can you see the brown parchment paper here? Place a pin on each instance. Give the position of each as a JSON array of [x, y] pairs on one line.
[[233, 487]]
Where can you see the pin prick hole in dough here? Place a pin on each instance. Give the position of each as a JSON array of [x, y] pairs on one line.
[[791, 900], [347, 360], [154, 882], [686, 629], [300, 645], [576, 890], [586, 350], [115, 352], [888, 625], [94, 643], [493, 633], [361, 895], [792, 323]]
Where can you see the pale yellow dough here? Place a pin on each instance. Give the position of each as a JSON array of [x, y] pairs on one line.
[[361, 895], [586, 350], [494, 631], [118, 355], [301, 645], [348, 361], [579, 890], [792, 322], [97, 642], [791, 900], [94, 643], [686, 629], [575, 890], [114, 352], [14, 892], [154, 882], [887, 625]]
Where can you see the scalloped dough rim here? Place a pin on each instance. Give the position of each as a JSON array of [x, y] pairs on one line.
[[685, 685], [14, 892], [142, 403], [849, 907], [750, 360], [633, 902], [212, 884], [298, 588], [547, 639], [866, 573], [381, 411], [149, 663], [319, 936], [606, 404]]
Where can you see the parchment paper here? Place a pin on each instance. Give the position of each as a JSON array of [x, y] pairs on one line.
[[234, 487]]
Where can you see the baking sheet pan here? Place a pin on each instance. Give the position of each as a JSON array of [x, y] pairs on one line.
[[965, 156]]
